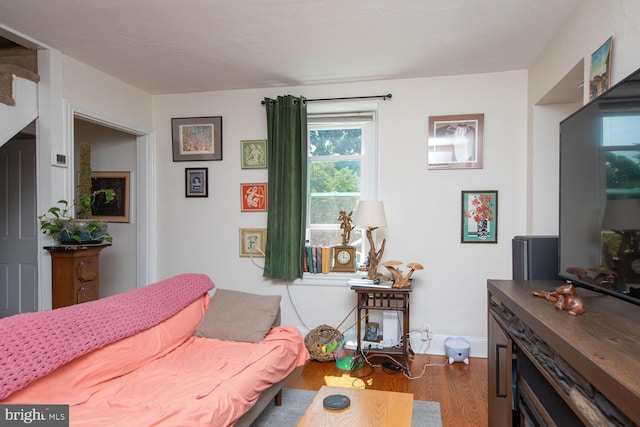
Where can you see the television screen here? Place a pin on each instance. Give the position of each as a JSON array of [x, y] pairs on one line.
[[599, 231]]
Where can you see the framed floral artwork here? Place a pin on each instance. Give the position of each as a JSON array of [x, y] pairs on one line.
[[196, 138], [254, 197], [479, 216], [253, 242], [254, 154], [455, 142]]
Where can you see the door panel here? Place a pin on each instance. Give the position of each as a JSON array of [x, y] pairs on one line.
[[18, 228]]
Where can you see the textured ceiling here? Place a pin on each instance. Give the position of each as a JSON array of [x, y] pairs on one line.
[[179, 46]]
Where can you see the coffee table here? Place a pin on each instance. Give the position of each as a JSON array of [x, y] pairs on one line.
[[368, 408]]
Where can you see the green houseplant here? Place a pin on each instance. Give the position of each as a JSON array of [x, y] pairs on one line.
[[59, 223]]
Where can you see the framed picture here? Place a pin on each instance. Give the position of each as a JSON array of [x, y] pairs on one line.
[[254, 154], [480, 216], [197, 138], [254, 197], [196, 181], [600, 73], [455, 142], [253, 242], [118, 209]]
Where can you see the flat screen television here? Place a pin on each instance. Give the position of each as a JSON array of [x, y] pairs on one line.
[[600, 193]]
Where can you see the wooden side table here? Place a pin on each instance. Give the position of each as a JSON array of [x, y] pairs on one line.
[[385, 299], [75, 273]]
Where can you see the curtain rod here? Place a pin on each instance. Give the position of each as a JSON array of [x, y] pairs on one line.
[[384, 98]]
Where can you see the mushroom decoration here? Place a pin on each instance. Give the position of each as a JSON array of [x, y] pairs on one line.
[[396, 274]]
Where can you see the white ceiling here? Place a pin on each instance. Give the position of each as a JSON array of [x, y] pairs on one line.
[[180, 46]]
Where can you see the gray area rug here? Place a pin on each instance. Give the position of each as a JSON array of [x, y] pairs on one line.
[[295, 402]]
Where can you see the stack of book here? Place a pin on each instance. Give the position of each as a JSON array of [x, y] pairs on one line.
[[317, 259]]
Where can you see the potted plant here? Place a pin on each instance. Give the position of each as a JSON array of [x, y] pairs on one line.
[[60, 225]]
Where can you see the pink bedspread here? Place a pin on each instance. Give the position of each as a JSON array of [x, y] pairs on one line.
[[164, 376], [34, 344]]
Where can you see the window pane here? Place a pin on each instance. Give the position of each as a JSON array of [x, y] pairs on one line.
[[334, 176], [331, 142], [325, 208], [328, 238]]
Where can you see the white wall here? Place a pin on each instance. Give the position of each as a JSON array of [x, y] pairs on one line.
[[423, 206], [591, 24]]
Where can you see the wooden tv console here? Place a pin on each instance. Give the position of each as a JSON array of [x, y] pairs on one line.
[[549, 368]]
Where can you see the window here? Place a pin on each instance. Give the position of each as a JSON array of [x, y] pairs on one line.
[[342, 169]]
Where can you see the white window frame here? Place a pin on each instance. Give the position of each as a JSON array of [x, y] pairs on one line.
[[330, 116]]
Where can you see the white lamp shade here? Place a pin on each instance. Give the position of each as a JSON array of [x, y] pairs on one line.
[[370, 214]]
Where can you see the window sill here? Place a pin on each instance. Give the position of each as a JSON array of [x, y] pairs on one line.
[[328, 279]]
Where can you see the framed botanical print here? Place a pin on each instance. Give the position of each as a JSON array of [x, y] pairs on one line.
[[479, 216]]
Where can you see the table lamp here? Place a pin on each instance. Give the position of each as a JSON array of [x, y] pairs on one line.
[[370, 214]]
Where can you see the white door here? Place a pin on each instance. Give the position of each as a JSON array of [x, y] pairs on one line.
[[18, 228]]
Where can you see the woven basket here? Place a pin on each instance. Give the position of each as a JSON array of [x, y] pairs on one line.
[[314, 340]]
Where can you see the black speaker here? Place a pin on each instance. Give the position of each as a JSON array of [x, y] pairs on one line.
[[535, 258]]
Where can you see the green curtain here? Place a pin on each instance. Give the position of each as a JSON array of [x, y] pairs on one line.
[[287, 195]]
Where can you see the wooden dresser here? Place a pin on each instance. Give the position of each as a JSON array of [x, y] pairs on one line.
[[549, 368], [75, 273]]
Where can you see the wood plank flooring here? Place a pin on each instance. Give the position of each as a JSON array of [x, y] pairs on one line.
[[461, 389]]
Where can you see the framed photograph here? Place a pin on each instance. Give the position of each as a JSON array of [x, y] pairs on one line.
[[600, 73], [254, 154], [455, 142], [118, 209], [253, 242], [254, 197], [196, 138], [196, 182], [480, 216]]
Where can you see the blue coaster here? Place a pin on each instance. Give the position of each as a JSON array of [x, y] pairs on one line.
[[336, 402]]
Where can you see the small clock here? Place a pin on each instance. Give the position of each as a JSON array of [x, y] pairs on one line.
[[344, 259]]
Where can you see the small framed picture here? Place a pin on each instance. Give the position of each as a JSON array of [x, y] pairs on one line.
[[196, 182], [254, 154], [118, 209], [455, 142], [254, 197], [253, 242], [600, 72], [196, 138], [479, 216]]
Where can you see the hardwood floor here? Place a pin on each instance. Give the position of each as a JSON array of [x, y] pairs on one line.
[[461, 389]]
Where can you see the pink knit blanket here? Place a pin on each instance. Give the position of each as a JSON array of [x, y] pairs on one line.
[[34, 344]]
